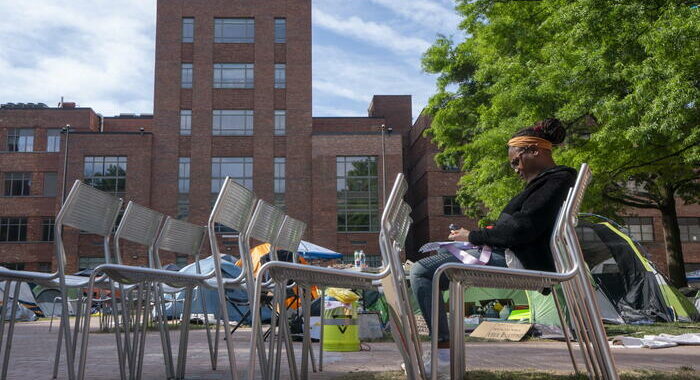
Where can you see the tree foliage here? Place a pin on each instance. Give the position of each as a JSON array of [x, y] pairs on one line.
[[624, 77]]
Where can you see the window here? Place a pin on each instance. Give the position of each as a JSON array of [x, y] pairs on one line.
[[13, 266], [690, 229], [279, 181], [53, 140], [280, 30], [20, 140], [185, 122], [240, 169], [47, 229], [183, 175], [13, 229], [186, 75], [280, 122], [89, 262], [280, 75], [232, 123], [233, 75], [183, 206], [357, 200], [234, 30], [450, 206], [187, 29], [18, 184], [640, 229], [106, 173], [50, 184]]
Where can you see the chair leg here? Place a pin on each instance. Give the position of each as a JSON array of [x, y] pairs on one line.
[[133, 357], [11, 328], [306, 341], [57, 358], [457, 367], [117, 332], [184, 331], [164, 332], [3, 311], [287, 336], [320, 341], [126, 323], [86, 331], [272, 334], [144, 330], [281, 319], [210, 343], [53, 312], [565, 328], [256, 334]]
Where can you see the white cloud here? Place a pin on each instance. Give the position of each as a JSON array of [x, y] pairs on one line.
[[356, 77], [432, 14], [98, 54], [371, 32]]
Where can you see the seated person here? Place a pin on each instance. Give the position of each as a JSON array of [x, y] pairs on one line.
[[523, 228]]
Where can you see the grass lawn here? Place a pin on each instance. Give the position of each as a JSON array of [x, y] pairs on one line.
[[685, 373]]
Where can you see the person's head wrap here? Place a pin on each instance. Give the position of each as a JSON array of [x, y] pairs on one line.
[[530, 141]]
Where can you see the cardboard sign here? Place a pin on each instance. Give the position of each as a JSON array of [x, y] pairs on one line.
[[501, 331]]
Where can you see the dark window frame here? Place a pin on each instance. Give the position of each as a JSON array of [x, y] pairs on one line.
[[357, 194], [97, 165], [187, 29], [450, 206], [17, 184], [13, 229], [224, 25]]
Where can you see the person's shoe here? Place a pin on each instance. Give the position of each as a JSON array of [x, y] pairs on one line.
[[443, 363]]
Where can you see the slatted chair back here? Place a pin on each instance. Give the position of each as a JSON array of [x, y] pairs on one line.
[[290, 235], [139, 225], [264, 226], [233, 209], [180, 237], [89, 210]]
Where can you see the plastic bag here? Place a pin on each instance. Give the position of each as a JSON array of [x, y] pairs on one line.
[[342, 295]]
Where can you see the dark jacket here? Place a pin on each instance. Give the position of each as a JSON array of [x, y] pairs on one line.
[[525, 225]]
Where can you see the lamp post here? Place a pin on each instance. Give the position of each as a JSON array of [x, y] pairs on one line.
[[65, 130], [384, 131]]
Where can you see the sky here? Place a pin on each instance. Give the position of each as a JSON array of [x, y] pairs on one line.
[[100, 54]]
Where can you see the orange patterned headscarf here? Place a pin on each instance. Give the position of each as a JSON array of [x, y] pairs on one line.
[[528, 141]]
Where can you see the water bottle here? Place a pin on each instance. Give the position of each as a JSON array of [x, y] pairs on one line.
[[363, 260], [357, 262]]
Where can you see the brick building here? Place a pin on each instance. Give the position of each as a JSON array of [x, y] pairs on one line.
[[232, 98]]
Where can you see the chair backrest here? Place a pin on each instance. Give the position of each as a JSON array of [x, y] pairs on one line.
[[139, 225], [180, 237], [391, 223], [290, 235], [89, 210], [264, 226], [234, 209]]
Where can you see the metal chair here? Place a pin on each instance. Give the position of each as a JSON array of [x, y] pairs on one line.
[[138, 225], [571, 275], [177, 236], [394, 221], [234, 209], [86, 209]]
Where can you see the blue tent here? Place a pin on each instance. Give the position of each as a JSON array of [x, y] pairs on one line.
[[211, 298], [312, 251]]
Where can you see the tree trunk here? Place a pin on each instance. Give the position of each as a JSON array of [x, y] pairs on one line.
[[672, 238]]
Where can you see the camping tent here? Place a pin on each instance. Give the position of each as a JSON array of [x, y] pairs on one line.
[[312, 251], [27, 309], [628, 287], [211, 298]]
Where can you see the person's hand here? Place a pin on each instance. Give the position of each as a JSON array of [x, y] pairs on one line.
[[459, 235]]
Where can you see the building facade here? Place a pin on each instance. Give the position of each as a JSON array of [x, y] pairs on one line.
[[232, 97]]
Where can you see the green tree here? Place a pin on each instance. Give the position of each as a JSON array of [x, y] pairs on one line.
[[624, 77]]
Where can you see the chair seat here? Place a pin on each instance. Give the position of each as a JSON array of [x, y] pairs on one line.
[[133, 275], [502, 278], [306, 275], [22, 275], [228, 283]]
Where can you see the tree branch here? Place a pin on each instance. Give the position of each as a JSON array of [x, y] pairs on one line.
[[677, 153], [629, 203]]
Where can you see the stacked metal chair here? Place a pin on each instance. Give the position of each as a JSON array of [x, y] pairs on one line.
[[571, 275], [86, 209], [394, 227]]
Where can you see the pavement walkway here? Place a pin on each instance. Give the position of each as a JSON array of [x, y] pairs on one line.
[[34, 346]]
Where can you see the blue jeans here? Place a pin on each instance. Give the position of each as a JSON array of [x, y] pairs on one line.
[[421, 278]]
